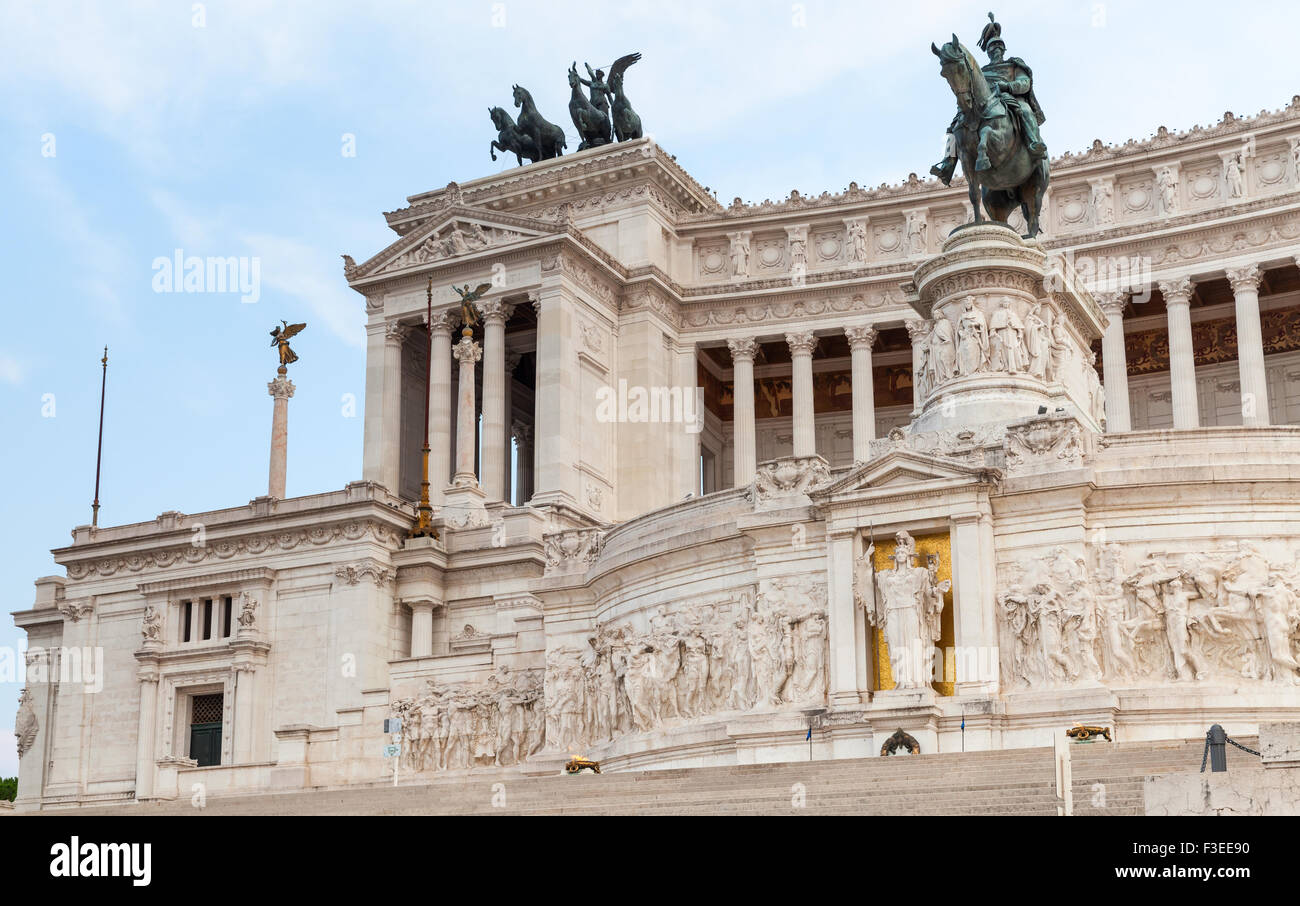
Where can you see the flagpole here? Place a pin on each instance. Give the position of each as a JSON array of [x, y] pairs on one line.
[[99, 452], [424, 524]]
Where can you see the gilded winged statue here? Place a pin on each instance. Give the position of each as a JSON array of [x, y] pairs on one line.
[[468, 313], [280, 337]]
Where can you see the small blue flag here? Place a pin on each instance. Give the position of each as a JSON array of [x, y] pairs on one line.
[[809, 736]]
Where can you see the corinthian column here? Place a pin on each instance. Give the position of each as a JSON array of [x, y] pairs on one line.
[[281, 389], [802, 345], [1114, 362], [391, 455], [1182, 356], [861, 339], [468, 353], [495, 314], [444, 323], [742, 409], [1250, 345]]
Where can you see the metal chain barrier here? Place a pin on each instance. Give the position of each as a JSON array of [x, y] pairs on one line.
[[1243, 748]]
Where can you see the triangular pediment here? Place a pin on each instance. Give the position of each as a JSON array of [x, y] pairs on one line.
[[457, 232], [901, 469]]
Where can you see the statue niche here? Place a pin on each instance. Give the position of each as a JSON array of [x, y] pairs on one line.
[[905, 605]]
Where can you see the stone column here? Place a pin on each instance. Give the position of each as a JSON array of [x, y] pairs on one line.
[[556, 405], [468, 353], [492, 469], [444, 322], [421, 628], [919, 332], [146, 726], [842, 623], [1250, 345], [391, 452], [372, 456], [1182, 358], [974, 620], [802, 345], [508, 432], [742, 410], [1114, 362], [524, 438], [281, 390], [861, 339]]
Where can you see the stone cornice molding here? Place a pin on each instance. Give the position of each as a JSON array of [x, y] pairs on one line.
[[250, 544], [261, 576]]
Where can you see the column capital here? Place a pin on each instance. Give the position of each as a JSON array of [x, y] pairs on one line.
[[281, 388], [1113, 303], [395, 332], [512, 361], [917, 328], [1177, 290], [801, 342], [467, 350], [861, 336], [445, 321], [1245, 278], [522, 433], [495, 311], [743, 348]]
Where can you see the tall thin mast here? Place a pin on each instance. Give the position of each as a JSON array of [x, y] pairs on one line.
[[424, 525], [99, 452]]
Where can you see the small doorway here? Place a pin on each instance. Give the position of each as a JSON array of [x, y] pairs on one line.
[[205, 728]]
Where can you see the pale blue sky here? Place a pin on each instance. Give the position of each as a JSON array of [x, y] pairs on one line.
[[225, 140]]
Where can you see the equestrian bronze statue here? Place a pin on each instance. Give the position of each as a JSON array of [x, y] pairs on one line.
[[995, 133]]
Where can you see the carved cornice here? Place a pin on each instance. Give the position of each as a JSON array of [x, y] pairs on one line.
[[252, 544]]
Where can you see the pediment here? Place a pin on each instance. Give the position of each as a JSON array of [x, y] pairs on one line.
[[901, 469], [456, 232]]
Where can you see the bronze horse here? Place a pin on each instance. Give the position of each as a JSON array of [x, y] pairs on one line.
[[988, 133], [510, 138], [548, 137]]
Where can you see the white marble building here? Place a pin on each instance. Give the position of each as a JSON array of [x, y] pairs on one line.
[[662, 461]]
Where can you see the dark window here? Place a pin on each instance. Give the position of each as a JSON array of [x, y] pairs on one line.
[[227, 605], [205, 727], [187, 622], [207, 619]]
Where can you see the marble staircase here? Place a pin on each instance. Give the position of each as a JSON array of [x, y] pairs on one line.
[[1107, 781]]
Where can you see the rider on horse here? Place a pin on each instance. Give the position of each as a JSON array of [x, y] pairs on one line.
[[1015, 83]]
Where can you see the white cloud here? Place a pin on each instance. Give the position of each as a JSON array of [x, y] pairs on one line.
[[312, 276], [11, 372]]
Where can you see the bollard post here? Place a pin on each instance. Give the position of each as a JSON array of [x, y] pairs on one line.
[[1218, 740]]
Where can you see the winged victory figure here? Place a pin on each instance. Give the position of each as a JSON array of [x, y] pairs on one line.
[[468, 313], [280, 337]]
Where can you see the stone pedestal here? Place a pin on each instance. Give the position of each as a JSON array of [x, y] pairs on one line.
[[1006, 333]]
